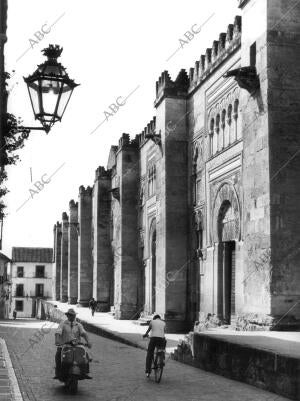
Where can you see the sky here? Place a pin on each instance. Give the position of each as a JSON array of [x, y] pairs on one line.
[[112, 49]]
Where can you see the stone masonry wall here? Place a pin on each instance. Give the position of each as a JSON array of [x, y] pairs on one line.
[[85, 263], [102, 254], [64, 259], [73, 253], [127, 273], [283, 55]]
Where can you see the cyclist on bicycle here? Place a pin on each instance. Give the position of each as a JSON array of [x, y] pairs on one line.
[[157, 339]]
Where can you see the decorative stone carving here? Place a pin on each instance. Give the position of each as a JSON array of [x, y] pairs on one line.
[[246, 78], [142, 193], [219, 121], [198, 220], [226, 219], [116, 193], [141, 238]]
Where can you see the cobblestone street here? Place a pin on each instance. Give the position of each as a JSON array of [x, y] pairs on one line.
[[117, 370]]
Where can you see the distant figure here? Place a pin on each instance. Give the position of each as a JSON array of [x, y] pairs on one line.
[[14, 314], [92, 305]]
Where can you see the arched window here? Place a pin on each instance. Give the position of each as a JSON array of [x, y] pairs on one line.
[[211, 136], [229, 114], [194, 175], [235, 117], [151, 180], [217, 129], [229, 121], [236, 109], [223, 118], [223, 125], [218, 123]]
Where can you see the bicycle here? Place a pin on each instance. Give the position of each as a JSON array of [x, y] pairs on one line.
[[158, 363]]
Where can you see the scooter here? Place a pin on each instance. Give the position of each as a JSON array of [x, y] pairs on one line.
[[74, 364]]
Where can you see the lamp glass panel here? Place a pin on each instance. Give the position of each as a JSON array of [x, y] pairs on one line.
[[64, 99], [50, 92], [34, 96]]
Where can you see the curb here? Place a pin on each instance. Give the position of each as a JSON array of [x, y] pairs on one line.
[[91, 328], [14, 385]]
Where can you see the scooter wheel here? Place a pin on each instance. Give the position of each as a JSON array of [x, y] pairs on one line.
[[73, 385]]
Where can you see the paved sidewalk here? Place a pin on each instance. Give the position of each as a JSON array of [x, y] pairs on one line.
[[9, 387], [115, 329], [280, 342]]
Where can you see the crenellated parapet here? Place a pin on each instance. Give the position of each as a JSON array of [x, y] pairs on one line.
[[102, 172], [73, 204], [85, 191], [125, 141], [64, 217], [149, 130], [165, 87], [228, 42], [73, 211]]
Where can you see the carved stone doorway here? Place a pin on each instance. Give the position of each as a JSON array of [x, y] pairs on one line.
[[226, 262], [153, 271]]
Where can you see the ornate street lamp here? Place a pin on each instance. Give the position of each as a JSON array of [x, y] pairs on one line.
[[50, 90]]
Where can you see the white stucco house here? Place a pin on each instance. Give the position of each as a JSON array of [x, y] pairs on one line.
[[31, 275]]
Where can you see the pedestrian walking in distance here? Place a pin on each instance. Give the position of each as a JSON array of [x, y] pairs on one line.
[[92, 305], [14, 314]]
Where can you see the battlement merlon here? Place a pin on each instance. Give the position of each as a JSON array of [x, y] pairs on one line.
[[65, 217], [125, 141], [165, 87], [149, 130], [102, 172], [184, 84], [85, 191], [57, 227], [221, 49], [73, 204], [73, 211]]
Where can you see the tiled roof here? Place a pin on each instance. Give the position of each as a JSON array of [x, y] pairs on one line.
[[37, 255], [4, 257]]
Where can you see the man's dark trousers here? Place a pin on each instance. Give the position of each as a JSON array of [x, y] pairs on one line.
[[154, 342]]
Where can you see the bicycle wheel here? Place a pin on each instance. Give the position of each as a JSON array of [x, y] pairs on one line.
[[159, 366]]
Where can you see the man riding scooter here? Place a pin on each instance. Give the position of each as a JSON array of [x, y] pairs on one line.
[[68, 331]]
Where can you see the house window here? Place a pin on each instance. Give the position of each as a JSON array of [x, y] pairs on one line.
[[20, 271], [39, 290], [40, 271], [19, 290], [19, 306]]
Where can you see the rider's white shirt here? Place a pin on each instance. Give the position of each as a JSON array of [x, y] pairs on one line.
[[157, 328]]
